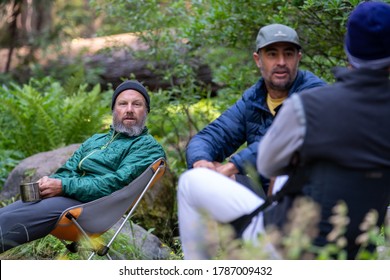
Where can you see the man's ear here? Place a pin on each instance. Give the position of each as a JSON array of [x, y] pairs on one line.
[[256, 58], [300, 55]]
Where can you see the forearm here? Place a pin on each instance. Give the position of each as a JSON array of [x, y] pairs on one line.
[[220, 139]]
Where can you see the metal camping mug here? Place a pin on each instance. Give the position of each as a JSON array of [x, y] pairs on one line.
[[29, 192]]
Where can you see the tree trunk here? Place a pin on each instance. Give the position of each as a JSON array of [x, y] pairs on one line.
[[16, 10]]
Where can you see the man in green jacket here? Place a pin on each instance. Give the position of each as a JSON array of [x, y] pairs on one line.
[[103, 164]]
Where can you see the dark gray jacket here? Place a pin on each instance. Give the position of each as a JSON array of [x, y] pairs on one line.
[[346, 123], [341, 134]]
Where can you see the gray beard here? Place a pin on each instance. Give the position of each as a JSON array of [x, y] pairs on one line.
[[131, 131]]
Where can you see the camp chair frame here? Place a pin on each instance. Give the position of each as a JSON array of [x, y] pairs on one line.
[[92, 219]]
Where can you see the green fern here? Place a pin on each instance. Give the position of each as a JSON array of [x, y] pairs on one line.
[[42, 115]]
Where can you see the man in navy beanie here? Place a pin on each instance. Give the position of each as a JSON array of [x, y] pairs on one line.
[[367, 42], [103, 164], [332, 142]]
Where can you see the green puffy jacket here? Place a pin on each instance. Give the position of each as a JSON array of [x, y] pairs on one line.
[[105, 163]]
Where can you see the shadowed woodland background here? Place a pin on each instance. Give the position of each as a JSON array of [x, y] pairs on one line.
[[60, 60]]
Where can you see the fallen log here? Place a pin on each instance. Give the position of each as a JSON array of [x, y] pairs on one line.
[[113, 56]]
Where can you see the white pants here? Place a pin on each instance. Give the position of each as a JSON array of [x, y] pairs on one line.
[[204, 190]]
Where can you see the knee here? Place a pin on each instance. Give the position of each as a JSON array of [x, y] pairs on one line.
[[4, 219], [185, 182], [191, 180], [9, 222]]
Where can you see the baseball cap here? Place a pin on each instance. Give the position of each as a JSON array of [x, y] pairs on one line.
[[275, 33]]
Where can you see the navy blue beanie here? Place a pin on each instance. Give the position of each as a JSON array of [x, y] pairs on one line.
[[135, 85], [368, 33]]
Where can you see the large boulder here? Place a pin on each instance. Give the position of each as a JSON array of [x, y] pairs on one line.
[[145, 245], [34, 167]]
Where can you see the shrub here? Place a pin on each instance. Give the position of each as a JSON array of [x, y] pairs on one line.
[[43, 115]]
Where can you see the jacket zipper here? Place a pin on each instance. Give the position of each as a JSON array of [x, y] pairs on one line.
[[94, 151]]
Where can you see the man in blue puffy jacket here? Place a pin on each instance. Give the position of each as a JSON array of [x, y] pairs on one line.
[[277, 55]]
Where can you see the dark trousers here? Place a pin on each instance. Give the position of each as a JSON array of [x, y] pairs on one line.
[[23, 222]]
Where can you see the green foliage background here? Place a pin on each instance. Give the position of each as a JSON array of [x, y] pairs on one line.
[[68, 106], [44, 115], [220, 34]]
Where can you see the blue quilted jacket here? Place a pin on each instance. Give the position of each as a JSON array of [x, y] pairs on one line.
[[246, 121]]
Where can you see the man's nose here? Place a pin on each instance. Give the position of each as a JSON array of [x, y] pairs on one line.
[[281, 60], [130, 108]]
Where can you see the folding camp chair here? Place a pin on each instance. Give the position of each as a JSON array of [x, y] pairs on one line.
[[90, 220]]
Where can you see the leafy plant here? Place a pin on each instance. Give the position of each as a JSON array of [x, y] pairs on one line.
[[294, 242], [41, 116], [51, 248], [8, 160]]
